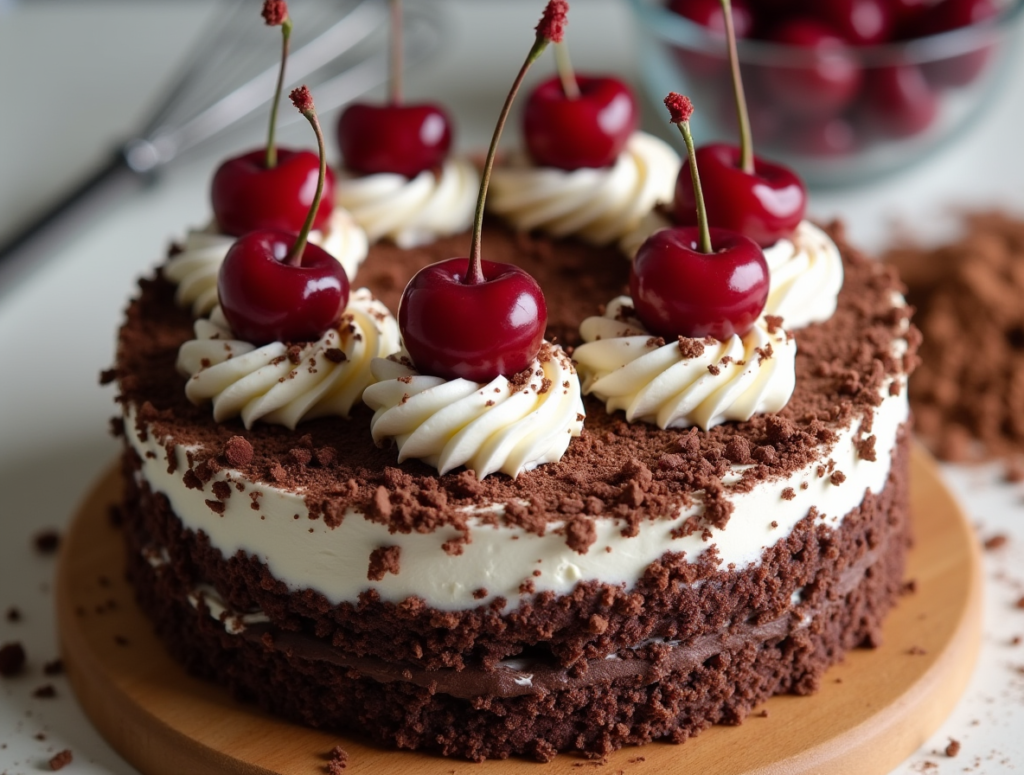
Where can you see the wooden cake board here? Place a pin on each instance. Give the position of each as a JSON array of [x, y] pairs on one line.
[[872, 711]]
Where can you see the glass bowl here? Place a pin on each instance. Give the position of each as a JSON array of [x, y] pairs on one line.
[[841, 117]]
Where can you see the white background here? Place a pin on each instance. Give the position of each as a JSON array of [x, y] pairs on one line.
[[75, 77]]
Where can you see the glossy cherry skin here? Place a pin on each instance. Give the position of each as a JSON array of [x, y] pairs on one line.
[[589, 131], [400, 139], [247, 196], [951, 15], [766, 206], [822, 86], [679, 291], [898, 100], [455, 330], [266, 300], [859, 22]]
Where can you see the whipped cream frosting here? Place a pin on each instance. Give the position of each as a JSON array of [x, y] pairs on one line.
[[806, 271], [599, 206], [507, 426], [285, 385], [412, 211], [687, 382], [194, 270]]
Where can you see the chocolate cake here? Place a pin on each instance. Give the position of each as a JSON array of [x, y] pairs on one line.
[[647, 585]]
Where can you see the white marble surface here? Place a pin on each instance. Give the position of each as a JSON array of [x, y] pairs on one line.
[[76, 76]]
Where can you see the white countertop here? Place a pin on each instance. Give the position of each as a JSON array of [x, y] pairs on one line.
[[76, 76]]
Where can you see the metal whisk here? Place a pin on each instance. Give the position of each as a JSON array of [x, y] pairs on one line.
[[338, 49]]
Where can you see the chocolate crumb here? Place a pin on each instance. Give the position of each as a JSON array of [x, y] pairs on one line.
[[953, 748], [1020, 603], [335, 355], [690, 348], [338, 760], [788, 494], [238, 452], [837, 478], [997, 541], [60, 760], [46, 541], [54, 667], [916, 651], [384, 560], [13, 614], [45, 692], [12, 659]]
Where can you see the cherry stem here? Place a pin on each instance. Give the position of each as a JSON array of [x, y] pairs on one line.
[[396, 53], [570, 86], [702, 214], [475, 273], [286, 34], [294, 257], [746, 137]]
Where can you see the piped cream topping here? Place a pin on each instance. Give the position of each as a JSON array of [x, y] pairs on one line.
[[285, 385], [686, 382], [412, 211], [599, 206], [504, 425], [194, 270], [806, 271]]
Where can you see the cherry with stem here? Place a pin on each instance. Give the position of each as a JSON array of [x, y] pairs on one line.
[[276, 286], [466, 318], [697, 281], [269, 188]]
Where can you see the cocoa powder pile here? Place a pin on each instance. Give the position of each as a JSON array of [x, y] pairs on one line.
[[968, 393]]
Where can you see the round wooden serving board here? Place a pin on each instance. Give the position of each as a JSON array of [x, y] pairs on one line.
[[872, 711]]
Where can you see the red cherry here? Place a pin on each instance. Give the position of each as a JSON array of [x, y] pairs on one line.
[[454, 329], [908, 16], [588, 131], [708, 13], [246, 195], [400, 139], [765, 206], [952, 15], [823, 85], [267, 300], [860, 22], [679, 291], [825, 137], [899, 101]]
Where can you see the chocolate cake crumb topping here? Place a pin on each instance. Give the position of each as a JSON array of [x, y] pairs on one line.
[[54, 667], [953, 748], [966, 395], [996, 542], [691, 348], [384, 560], [12, 659], [337, 761], [45, 692], [788, 494], [61, 760], [837, 478], [682, 467], [13, 614]]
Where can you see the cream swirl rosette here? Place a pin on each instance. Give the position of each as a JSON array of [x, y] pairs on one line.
[[194, 270], [504, 425], [282, 384], [412, 211], [600, 206], [806, 271], [687, 382]]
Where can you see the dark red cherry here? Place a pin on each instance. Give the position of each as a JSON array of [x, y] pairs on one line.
[[246, 195], [908, 16], [679, 291], [401, 139], [266, 300], [475, 331], [859, 22], [588, 131], [898, 100], [708, 13], [765, 206], [831, 137], [952, 15], [823, 85]]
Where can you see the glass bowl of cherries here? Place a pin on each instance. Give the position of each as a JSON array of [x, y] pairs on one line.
[[844, 91]]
